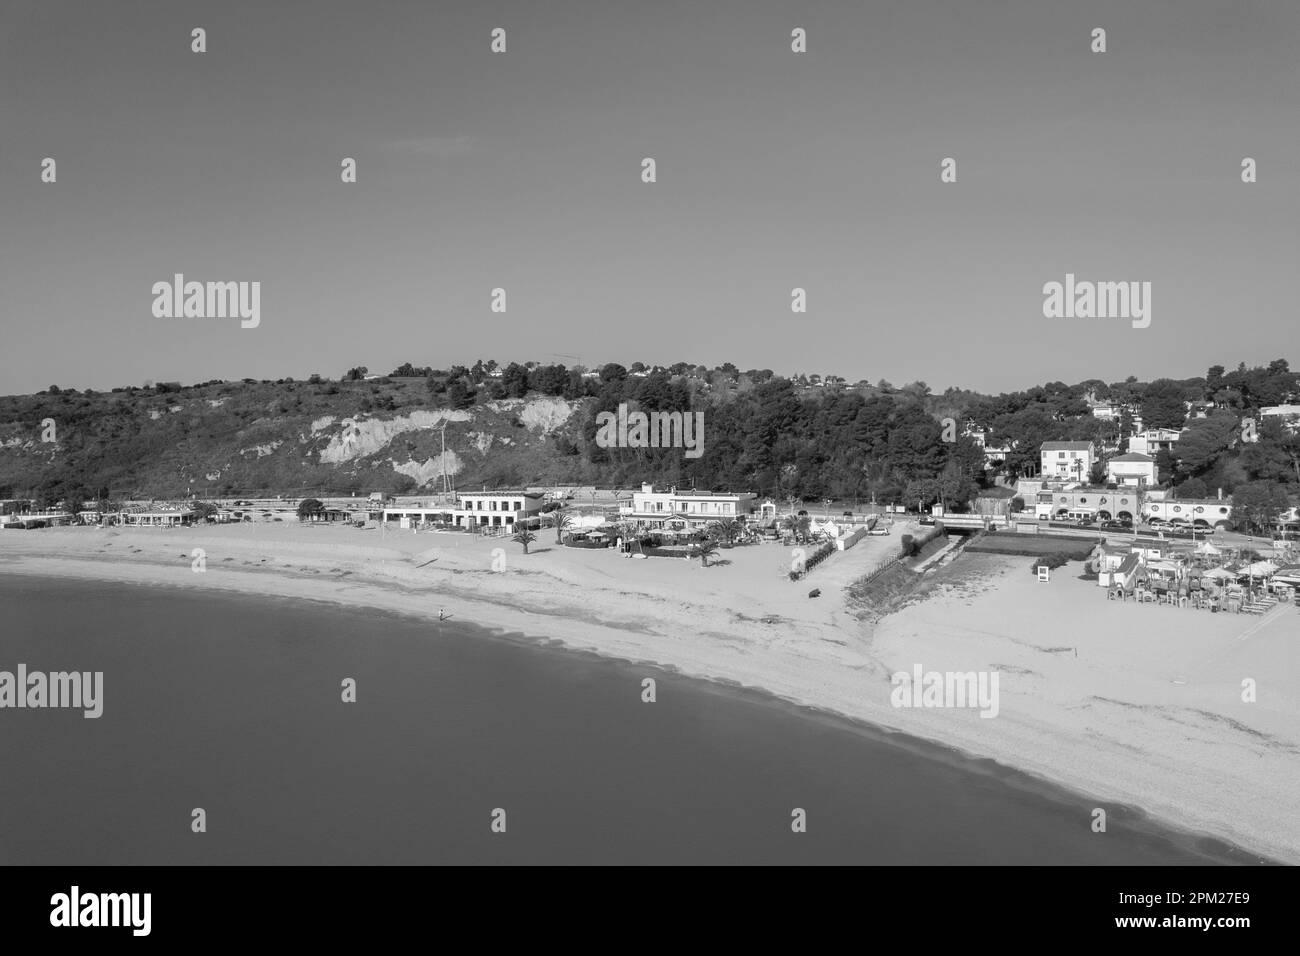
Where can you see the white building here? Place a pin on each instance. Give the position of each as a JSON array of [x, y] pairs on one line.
[[173, 518], [488, 509], [1132, 469], [1213, 512], [1066, 459], [1084, 502], [994, 455], [687, 509], [1289, 414], [1153, 440]]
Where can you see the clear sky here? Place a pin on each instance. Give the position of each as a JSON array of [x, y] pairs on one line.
[[522, 170]]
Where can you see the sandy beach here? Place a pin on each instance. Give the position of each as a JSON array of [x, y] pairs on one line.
[[1136, 705]]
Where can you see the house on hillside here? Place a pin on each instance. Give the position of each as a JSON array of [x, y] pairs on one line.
[[1153, 441], [1067, 459], [1132, 469]]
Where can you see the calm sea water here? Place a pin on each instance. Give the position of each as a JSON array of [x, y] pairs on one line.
[[233, 704]]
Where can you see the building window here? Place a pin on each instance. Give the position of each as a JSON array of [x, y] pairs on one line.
[[1060, 454]]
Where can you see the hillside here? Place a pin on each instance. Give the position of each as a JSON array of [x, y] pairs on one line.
[[248, 438], [541, 424]]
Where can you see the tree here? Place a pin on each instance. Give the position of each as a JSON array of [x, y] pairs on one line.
[[308, 507], [725, 529], [704, 549], [1163, 405], [1205, 442], [515, 380], [613, 372], [791, 524], [524, 537], [458, 396], [549, 379], [1256, 505], [204, 510], [356, 374], [563, 521]]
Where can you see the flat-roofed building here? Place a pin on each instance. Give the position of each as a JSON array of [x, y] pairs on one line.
[[687, 509], [1289, 415], [1102, 504], [1153, 441], [1212, 512], [1132, 469], [168, 518], [1067, 459], [487, 509]]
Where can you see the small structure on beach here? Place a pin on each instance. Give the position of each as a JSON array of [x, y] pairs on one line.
[[171, 518]]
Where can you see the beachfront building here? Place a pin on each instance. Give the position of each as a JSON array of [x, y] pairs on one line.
[[1132, 469], [1153, 441], [1067, 459], [488, 509], [1101, 504], [687, 509], [497, 508], [36, 519], [169, 518], [1202, 512], [326, 516]]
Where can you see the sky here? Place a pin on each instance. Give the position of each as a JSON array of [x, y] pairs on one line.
[[522, 170]]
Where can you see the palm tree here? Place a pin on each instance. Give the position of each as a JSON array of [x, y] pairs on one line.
[[725, 529], [524, 537], [791, 523], [563, 520], [705, 548]]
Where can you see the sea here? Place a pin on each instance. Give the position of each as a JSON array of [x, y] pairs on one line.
[[226, 738]]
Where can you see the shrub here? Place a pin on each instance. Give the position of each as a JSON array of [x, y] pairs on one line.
[[1054, 560]]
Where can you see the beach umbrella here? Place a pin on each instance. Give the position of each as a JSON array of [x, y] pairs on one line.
[[1219, 574], [1260, 569], [1206, 548]]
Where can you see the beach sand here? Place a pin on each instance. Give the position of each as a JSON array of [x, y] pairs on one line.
[[1136, 705]]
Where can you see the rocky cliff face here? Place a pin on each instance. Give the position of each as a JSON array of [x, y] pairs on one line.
[[233, 438]]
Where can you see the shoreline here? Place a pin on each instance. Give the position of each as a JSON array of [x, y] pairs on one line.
[[819, 666]]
